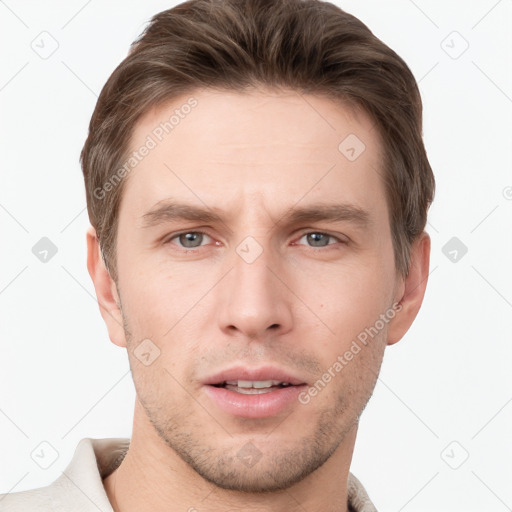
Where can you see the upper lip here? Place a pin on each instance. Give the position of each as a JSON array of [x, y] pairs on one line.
[[253, 374]]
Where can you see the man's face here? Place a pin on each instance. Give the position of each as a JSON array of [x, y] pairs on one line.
[[256, 295]]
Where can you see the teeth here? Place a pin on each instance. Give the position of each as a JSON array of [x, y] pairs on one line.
[[256, 384]]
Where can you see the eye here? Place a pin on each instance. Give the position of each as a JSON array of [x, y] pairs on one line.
[[189, 239], [319, 239], [195, 239]]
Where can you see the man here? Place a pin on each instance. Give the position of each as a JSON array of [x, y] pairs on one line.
[[258, 188]]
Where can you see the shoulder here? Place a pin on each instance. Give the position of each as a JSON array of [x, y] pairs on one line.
[[79, 487], [25, 501], [358, 498]]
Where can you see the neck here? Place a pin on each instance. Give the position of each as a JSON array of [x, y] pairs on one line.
[[152, 477]]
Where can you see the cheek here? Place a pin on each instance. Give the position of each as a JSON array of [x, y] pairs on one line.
[[162, 310], [351, 371], [153, 303], [346, 299], [350, 339]]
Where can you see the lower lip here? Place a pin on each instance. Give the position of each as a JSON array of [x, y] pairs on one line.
[[262, 405]]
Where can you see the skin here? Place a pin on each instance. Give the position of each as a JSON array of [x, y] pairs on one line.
[[253, 156]]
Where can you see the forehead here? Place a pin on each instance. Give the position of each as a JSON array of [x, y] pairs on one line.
[[225, 148]]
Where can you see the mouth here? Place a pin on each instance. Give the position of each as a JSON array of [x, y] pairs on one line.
[[253, 387], [254, 392]]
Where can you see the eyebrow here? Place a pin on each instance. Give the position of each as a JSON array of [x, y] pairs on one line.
[[169, 210]]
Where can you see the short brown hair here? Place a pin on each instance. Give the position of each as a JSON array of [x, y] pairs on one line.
[[309, 46]]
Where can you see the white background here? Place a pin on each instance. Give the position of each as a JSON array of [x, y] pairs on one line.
[[449, 379]]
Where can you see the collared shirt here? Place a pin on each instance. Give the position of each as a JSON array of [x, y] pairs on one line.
[[80, 486]]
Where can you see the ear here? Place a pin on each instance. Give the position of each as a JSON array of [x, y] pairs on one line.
[[412, 289], [106, 290]]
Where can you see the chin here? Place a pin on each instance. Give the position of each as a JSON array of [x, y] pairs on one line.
[[263, 479]]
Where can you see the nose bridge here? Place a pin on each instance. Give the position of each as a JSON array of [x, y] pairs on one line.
[[255, 301], [251, 265]]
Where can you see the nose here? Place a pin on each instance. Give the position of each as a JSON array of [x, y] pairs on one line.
[[255, 301]]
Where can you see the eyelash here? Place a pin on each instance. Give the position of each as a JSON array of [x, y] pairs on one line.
[[194, 249]]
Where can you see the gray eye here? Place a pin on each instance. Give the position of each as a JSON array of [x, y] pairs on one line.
[[318, 239], [191, 240]]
